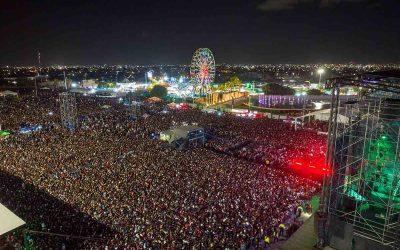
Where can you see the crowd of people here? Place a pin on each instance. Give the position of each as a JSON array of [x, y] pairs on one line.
[[107, 184]]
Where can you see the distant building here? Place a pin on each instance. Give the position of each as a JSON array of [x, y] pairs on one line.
[[89, 83], [127, 86]]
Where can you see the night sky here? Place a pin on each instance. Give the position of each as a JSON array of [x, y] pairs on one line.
[[167, 32]]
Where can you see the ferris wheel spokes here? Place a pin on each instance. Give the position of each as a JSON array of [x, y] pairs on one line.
[[202, 71]]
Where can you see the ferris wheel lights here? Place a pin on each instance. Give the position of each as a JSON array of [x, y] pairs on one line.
[[202, 70]]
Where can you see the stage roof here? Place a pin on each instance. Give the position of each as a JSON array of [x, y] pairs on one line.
[[8, 220]]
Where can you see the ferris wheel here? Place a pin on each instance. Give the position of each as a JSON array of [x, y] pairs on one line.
[[202, 70]]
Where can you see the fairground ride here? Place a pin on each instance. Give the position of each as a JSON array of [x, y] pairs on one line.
[[202, 71]]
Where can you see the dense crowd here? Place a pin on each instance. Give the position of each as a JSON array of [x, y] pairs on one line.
[[109, 184], [267, 140]]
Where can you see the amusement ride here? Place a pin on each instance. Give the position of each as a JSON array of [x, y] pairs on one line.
[[202, 71]]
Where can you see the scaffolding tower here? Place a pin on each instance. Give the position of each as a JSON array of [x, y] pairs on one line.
[[68, 110], [361, 197], [134, 111]]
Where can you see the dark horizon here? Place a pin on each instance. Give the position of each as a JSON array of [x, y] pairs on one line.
[[238, 32]]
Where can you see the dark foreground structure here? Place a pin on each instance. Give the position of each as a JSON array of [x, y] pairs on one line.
[[361, 202]]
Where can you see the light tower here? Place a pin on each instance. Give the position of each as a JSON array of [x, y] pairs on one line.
[[37, 75], [68, 110], [320, 72], [134, 111], [39, 64]]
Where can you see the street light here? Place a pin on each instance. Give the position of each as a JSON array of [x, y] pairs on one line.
[[320, 72]]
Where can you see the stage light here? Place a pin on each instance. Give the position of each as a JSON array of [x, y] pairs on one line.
[[320, 71]]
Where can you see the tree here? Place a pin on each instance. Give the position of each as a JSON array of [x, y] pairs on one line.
[[343, 91], [277, 89], [107, 85], [363, 92], [314, 92], [356, 89], [159, 91], [234, 82]]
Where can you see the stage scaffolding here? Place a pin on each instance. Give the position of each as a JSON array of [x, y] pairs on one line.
[[68, 110], [363, 190], [134, 111]]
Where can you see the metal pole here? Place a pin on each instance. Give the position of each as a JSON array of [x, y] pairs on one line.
[[249, 103], [65, 82], [325, 185], [319, 81], [36, 92]]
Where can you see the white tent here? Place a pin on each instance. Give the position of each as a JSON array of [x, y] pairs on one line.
[[9, 221], [8, 93], [323, 115]]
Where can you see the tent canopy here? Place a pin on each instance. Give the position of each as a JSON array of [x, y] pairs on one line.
[[8, 92], [171, 105], [9, 221], [323, 115], [154, 99], [4, 133]]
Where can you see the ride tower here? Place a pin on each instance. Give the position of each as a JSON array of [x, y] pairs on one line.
[[68, 110], [360, 206]]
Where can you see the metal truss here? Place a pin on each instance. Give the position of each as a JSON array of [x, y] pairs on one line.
[[134, 111], [364, 187], [68, 110]]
